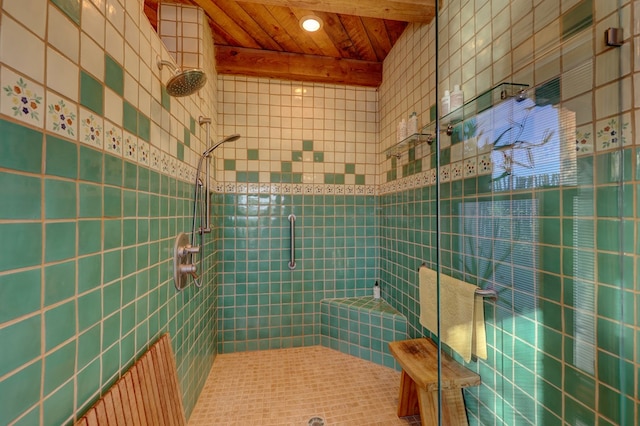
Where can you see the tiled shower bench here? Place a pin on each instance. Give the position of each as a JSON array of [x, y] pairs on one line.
[[363, 327]]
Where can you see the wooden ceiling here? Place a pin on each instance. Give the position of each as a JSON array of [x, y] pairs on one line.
[[263, 38]]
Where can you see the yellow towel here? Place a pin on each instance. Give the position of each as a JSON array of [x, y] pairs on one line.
[[462, 313]]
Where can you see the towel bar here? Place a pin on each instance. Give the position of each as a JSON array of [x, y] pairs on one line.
[[488, 293]]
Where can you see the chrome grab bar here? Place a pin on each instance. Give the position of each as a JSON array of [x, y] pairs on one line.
[[292, 221]]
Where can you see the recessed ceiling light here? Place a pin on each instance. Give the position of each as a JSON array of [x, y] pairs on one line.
[[311, 23]]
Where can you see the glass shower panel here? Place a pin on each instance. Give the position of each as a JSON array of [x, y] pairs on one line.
[[537, 194]]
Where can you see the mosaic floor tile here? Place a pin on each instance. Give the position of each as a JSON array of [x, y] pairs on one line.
[[291, 386]]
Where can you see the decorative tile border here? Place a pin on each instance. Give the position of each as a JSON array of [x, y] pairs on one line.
[[584, 139], [112, 138], [143, 153], [129, 146], [91, 129], [611, 134], [293, 188], [62, 116], [22, 99], [25, 101]]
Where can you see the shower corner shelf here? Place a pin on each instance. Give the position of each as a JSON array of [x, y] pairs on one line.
[[408, 143], [490, 98]]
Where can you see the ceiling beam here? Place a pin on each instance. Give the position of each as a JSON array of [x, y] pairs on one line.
[[297, 67], [419, 11]]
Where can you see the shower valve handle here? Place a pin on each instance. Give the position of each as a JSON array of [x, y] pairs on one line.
[[188, 269], [189, 249]]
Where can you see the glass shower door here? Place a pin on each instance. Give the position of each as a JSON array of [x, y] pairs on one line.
[[537, 201]]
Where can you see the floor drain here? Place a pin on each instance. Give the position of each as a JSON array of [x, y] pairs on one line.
[[316, 421]]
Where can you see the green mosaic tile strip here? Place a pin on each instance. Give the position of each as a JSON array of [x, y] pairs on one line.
[[114, 75], [180, 151], [91, 93], [144, 127], [187, 137], [130, 118], [70, 7], [229, 164], [165, 99], [254, 154], [307, 145]]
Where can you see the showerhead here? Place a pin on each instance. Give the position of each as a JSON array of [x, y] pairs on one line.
[[185, 82], [231, 138]]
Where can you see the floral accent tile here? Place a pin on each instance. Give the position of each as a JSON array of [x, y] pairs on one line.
[[112, 138], [470, 167], [612, 134], [445, 173], [143, 153], [173, 166], [456, 170], [129, 146], [484, 164], [22, 99], [91, 128], [154, 158], [584, 139], [165, 165], [182, 171], [62, 116], [432, 176]]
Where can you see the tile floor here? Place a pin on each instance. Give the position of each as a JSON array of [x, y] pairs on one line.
[[291, 386]]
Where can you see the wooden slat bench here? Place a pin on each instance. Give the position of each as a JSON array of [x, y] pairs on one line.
[[147, 394], [419, 383]]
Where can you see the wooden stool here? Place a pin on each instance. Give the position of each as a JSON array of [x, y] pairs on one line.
[[419, 383]]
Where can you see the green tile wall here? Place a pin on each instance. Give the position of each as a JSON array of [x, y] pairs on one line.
[[87, 276], [362, 327], [262, 303], [560, 335]]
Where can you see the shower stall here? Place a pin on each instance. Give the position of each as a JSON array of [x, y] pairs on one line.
[[528, 189]]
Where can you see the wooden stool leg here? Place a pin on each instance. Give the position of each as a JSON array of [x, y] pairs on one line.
[[453, 411], [408, 398]]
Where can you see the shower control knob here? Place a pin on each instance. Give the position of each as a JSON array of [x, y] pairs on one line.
[[188, 249], [187, 269]]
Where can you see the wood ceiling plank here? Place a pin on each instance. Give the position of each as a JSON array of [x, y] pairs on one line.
[[377, 32], [395, 29], [291, 66], [359, 38], [266, 20], [336, 32], [224, 24], [249, 24], [421, 11]]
